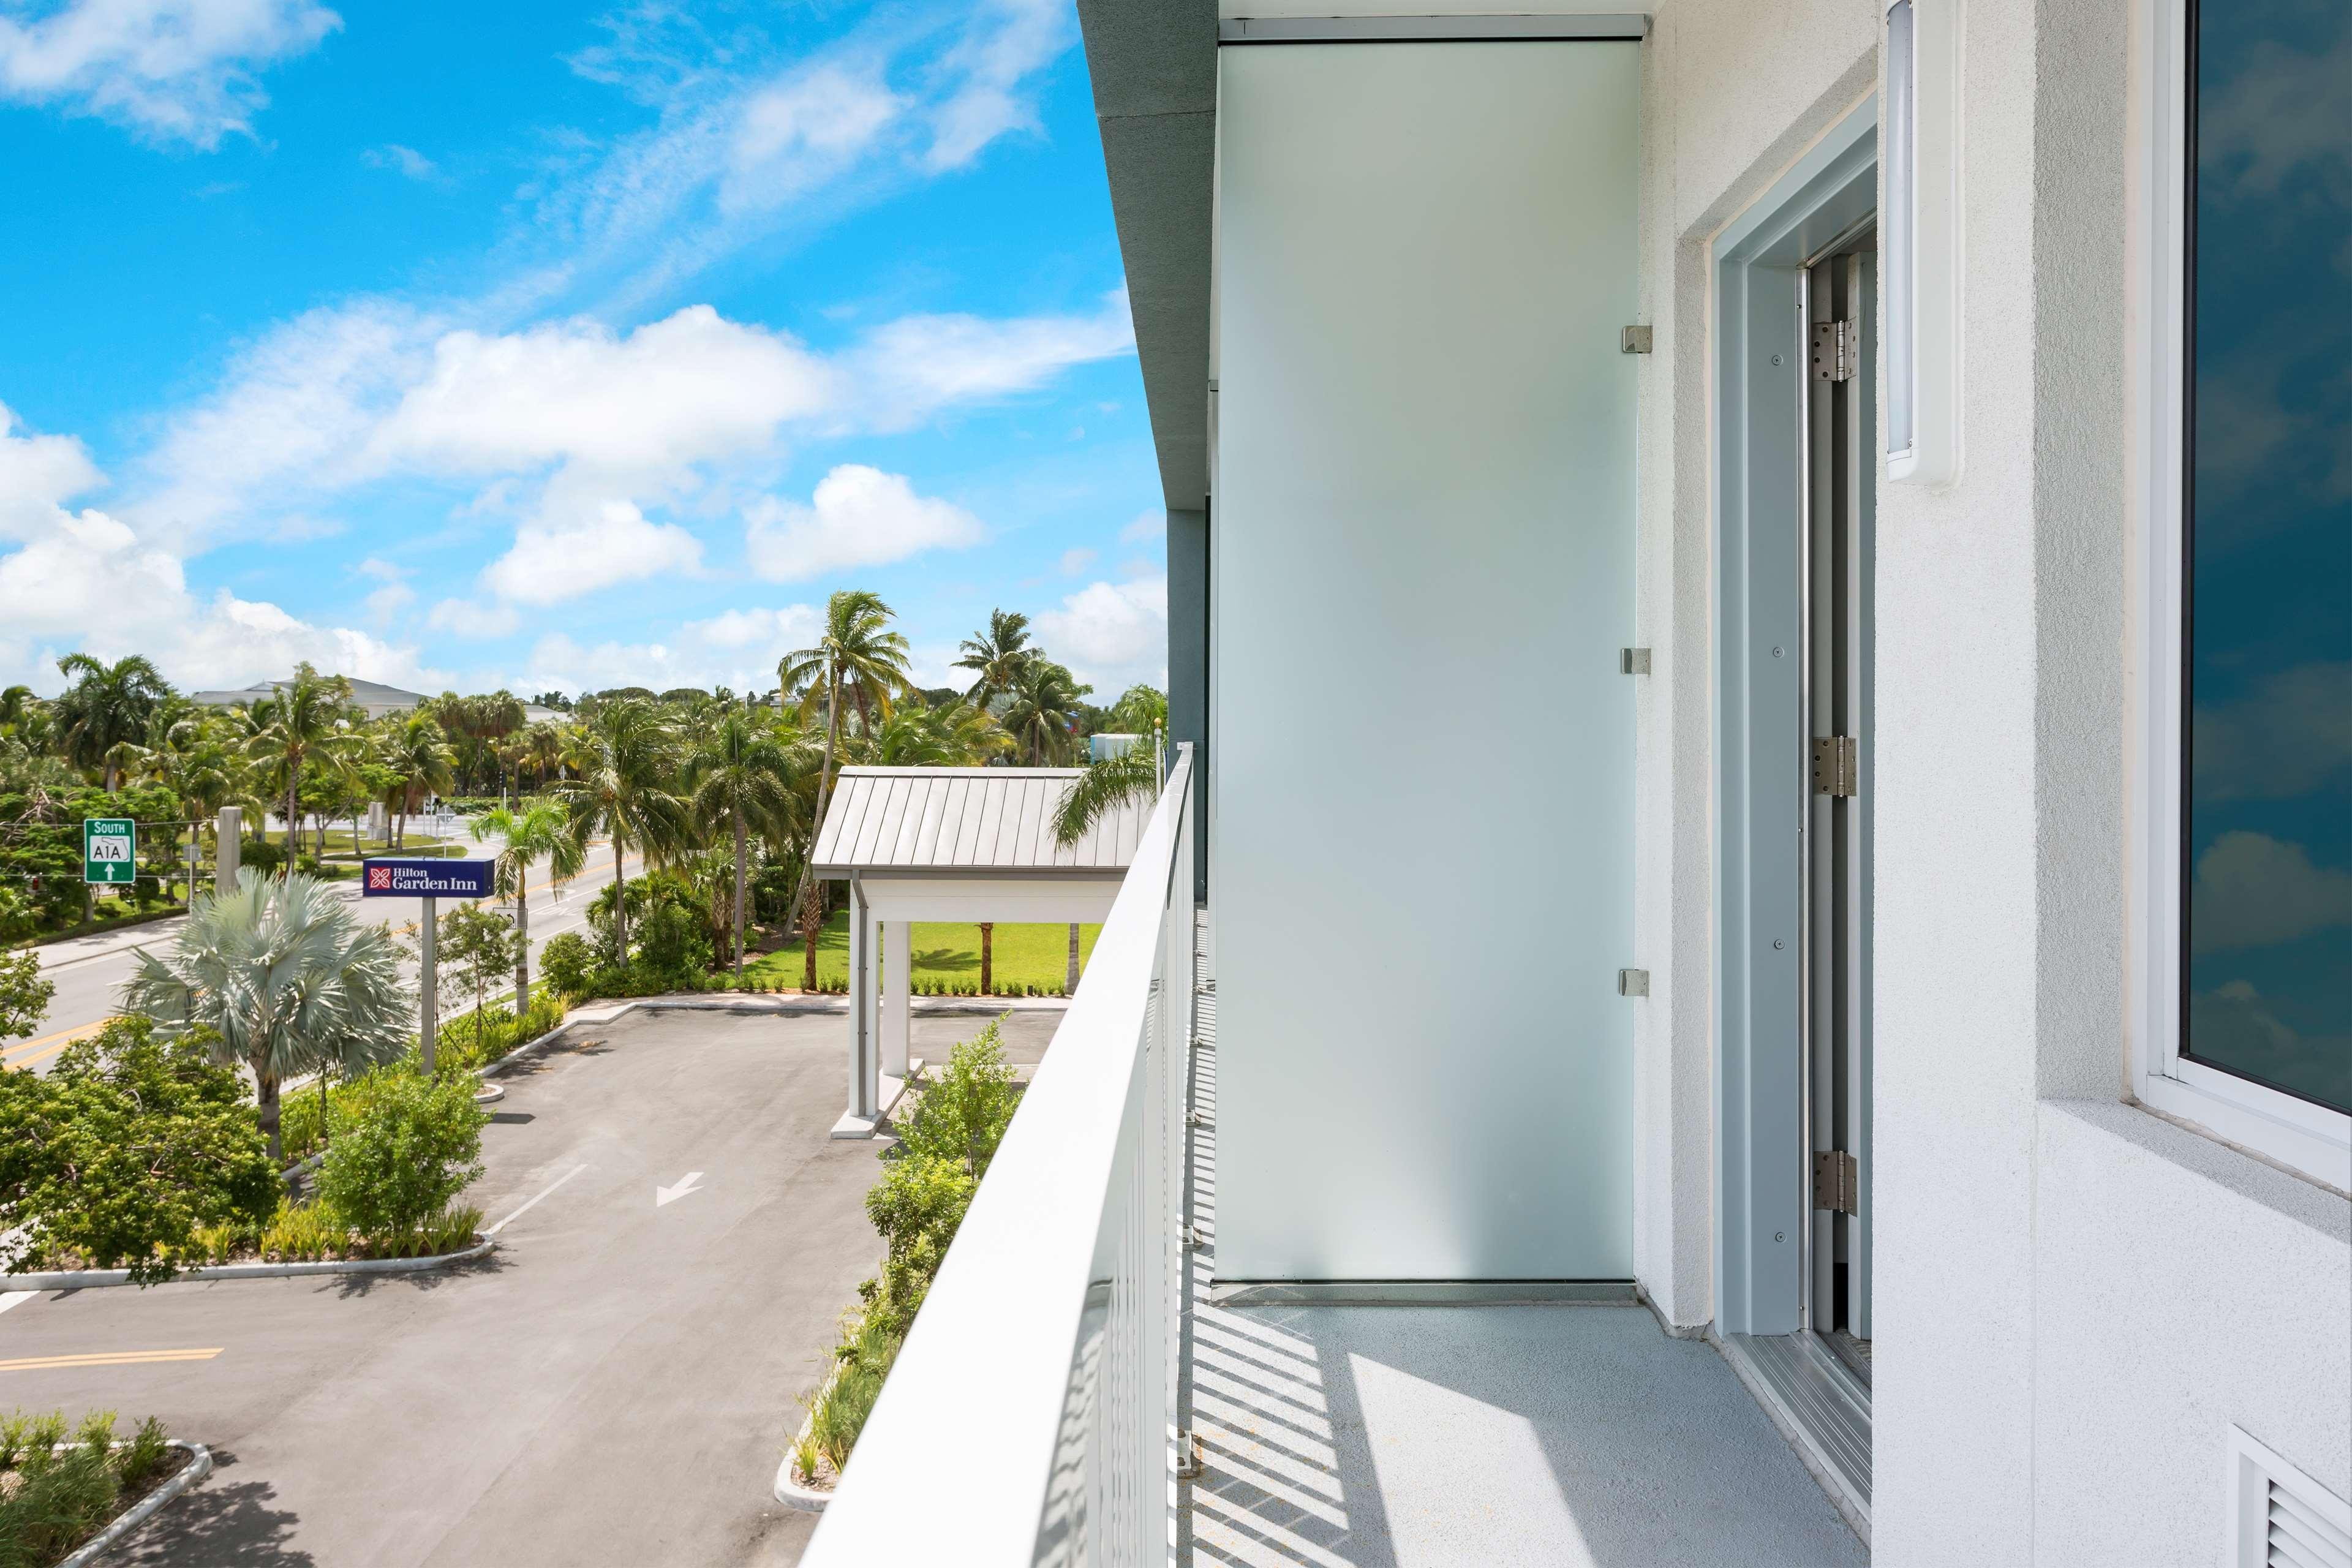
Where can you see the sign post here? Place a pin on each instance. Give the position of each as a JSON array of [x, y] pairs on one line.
[[430, 881], [110, 851]]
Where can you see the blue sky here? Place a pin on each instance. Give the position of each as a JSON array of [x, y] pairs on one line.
[[530, 346]]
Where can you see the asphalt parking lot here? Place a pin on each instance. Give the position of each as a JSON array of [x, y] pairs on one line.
[[614, 1386]]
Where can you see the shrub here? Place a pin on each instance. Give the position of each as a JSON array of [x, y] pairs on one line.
[[403, 1161], [56, 1499], [132, 1143], [962, 1116], [566, 961]]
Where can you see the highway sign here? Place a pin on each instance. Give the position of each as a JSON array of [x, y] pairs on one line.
[[427, 879], [109, 850]]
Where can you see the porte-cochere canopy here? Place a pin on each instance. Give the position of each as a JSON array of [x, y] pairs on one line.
[[966, 821], [962, 844]]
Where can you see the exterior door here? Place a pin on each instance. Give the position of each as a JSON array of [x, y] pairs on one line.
[[1841, 471]]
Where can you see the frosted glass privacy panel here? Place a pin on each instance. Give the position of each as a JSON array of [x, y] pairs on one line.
[[1423, 560]]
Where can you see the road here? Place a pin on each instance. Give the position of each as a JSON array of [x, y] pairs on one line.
[[614, 1387], [87, 983]]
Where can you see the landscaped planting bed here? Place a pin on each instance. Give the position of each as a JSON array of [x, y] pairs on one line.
[[929, 1177], [60, 1485]]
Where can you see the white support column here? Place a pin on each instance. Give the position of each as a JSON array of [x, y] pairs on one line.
[[897, 967], [865, 1086]]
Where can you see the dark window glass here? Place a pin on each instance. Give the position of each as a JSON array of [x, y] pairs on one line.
[[2267, 829]]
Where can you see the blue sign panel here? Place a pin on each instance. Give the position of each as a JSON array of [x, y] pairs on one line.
[[427, 880]]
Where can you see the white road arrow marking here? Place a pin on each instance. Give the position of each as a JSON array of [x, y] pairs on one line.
[[666, 1194]]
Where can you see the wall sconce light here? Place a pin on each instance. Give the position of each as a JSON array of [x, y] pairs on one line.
[[1920, 241]]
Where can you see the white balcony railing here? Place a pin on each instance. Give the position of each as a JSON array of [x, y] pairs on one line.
[[1028, 1419]]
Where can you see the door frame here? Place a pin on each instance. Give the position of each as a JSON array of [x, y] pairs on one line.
[[1763, 1201]]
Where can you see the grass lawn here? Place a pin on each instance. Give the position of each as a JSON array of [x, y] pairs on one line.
[[1025, 956]]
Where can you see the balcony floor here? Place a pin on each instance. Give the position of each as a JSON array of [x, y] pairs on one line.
[[1436, 1436]]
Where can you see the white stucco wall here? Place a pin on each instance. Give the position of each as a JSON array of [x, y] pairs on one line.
[[2074, 1296]]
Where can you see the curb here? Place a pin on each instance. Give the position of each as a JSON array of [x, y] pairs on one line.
[[199, 1466], [789, 1492], [94, 1278], [792, 1495]]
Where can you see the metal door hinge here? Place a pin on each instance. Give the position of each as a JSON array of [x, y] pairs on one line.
[[1632, 661], [1836, 348], [1189, 1457], [1634, 341], [1837, 1181], [1632, 983], [1837, 765]]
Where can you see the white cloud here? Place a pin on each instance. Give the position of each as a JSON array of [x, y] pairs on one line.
[[172, 70], [780, 629], [1006, 42], [474, 619], [1111, 634], [2254, 890], [387, 601], [551, 561], [2287, 737], [1147, 525], [913, 366], [796, 133], [738, 649], [286, 424], [677, 391], [1077, 561], [402, 160], [858, 517], [88, 580]]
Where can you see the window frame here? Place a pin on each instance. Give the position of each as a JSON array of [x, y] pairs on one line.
[[2300, 1134]]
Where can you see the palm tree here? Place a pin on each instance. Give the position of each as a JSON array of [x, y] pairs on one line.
[[287, 976], [858, 654], [997, 655], [1039, 716], [107, 705], [302, 721], [537, 832], [744, 781], [625, 764], [955, 734], [418, 753], [1131, 775]]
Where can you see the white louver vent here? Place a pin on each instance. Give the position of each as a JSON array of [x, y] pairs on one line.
[[2279, 1517]]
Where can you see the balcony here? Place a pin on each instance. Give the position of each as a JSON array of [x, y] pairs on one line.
[[1033, 1417]]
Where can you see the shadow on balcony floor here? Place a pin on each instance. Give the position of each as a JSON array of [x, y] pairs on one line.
[[1579, 1436]]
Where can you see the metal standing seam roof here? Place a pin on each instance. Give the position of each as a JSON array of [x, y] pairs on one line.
[[966, 819]]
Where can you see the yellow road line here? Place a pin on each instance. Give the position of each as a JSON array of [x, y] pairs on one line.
[[25, 1052], [106, 1357]]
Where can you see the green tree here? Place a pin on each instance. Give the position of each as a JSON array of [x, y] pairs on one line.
[[568, 962], [481, 944], [996, 655], [106, 705], [625, 764], [858, 655], [277, 977], [306, 721], [24, 994], [417, 751], [1131, 775], [538, 832], [744, 787], [408, 1158], [1039, 715], [132, 1141]]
